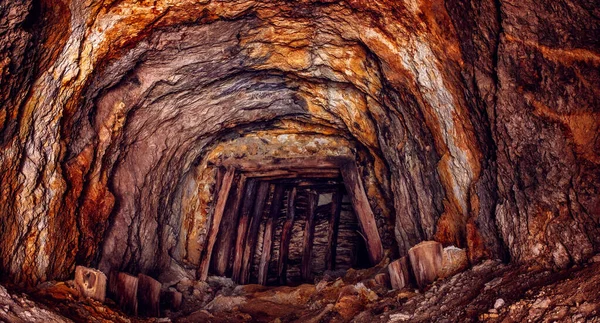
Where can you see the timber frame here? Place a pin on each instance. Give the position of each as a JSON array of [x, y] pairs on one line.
[[244, 188]]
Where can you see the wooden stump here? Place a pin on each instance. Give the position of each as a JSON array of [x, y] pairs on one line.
[[126, 291], [382, 279], [148, 296], [399, 275], [426, 262], [113, 278], [171, 300], [90, 283]]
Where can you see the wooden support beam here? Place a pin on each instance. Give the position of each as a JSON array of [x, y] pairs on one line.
[[332, 230], [252, 235], [229, 224], [91, 283], [309, 230], [286, 234], [127, 287], [148, 295], [285, 163], [265, 257], [249, 198], [225, 187], [274, 174], [363, 211]]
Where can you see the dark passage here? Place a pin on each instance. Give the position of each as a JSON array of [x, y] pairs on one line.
[[289, 225]]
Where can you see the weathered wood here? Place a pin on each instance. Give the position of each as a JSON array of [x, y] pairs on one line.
[[148, 295], [171, 300], [113, 278], [309, 230], [382, 279], [227, 233], [225, 187], [426, 262], [90, 283], [253, 228], [363, 211], [265, 257], [242, 229], [332, 230], [286, 234], [275, 174], [399, 274], [285, 163], [127, 287]]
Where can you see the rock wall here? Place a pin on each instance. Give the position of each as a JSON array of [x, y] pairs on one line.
[[477, 121]]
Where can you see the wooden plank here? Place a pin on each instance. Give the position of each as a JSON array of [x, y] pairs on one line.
[[225, 187], [399, 274], [332, 230], [252, 235], [286, 234], [265, 257], [249, 198], [285, 163], [148, 295], [309, 230], [227, 233], [127, 287], [91, 283], [295, 173], [363, 211]]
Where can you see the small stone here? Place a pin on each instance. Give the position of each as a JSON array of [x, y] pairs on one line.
[[499, 303], [399, 317]]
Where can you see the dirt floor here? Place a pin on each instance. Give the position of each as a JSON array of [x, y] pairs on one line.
[[489, 292]]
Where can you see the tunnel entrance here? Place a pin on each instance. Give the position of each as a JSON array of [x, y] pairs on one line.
[[288, 221]]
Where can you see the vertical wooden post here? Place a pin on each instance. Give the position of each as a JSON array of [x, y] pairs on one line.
[[332, 233], [309, 230], [252, 235], [227, 233], [225, 187], [286, 234], [361, 205], [265, 257], [242, 229]]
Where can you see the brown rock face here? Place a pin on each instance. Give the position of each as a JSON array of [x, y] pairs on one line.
[[473, 123]]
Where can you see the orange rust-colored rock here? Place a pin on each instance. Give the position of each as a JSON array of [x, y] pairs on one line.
[[472, 123]]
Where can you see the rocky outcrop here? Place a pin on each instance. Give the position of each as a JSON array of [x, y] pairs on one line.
[[475, 123]]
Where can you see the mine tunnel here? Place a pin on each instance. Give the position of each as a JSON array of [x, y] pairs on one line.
[[299, 161], [290, 221]]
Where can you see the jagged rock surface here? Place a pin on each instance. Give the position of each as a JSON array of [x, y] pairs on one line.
[[476, 123]]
